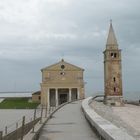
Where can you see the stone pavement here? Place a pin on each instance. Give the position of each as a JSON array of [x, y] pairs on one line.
[[68, 123], [127, 118]]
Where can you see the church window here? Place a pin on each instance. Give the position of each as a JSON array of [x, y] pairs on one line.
[[62, 66], [115, 55], [39, 98], [114, 79], [62, 73], [114, 89]]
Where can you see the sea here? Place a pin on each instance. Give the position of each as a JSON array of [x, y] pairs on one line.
[[132, 96], [15, 94]]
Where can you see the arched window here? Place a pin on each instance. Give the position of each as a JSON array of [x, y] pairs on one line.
[[114, 89], [114, 79], [113, 55]]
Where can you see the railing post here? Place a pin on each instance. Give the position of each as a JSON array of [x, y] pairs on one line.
[[46, 112], [17, 131], [31, 121], [22, 129], [6, 130], [1, 133], [49, 110], [34, 121], [41, 114], [17, 125]]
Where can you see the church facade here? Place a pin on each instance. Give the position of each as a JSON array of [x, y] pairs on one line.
[[112, 71], [61, 82]]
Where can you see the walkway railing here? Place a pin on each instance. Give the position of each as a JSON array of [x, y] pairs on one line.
[[97, 96], [20, 128], [38, 128]]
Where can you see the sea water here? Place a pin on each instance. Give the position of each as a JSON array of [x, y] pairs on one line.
[[126, 95], [131, 96]]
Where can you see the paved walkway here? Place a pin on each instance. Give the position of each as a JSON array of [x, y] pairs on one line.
[[68, 123]]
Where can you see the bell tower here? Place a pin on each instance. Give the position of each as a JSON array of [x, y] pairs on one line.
[[112, 71]]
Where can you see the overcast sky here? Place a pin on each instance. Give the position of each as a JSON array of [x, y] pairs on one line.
[[38, 33]]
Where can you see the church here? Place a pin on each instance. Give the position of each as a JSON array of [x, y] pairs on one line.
[[61, 82]]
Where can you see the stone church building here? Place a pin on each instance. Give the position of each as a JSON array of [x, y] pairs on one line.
[[61, 82]]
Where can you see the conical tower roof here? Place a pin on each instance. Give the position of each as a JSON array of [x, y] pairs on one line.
[[111, 40]]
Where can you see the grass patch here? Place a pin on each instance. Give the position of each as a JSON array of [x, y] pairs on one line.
[[17, 103]]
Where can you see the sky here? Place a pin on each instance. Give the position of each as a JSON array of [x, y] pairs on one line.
[[38, 33]]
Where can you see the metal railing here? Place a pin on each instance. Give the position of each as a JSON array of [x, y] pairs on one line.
[[18, 129], [97, 96]]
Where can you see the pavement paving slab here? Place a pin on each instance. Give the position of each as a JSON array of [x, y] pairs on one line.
[[68, 123]]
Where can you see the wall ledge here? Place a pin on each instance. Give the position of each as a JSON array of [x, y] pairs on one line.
[[104, 128]]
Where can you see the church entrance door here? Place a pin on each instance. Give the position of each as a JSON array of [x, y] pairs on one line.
[[63, 98], [63, 95]]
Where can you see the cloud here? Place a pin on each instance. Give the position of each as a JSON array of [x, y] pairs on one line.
[[37, 33], [59, 2]]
